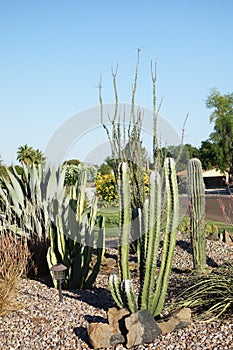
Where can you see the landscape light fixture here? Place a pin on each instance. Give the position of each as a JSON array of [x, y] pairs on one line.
[[59, 272]]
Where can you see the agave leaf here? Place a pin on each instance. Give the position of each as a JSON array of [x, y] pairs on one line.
[[3, 195], [18, 230], [16, 210], [17, 176], [16, 190], [52, 187], [33, 181]]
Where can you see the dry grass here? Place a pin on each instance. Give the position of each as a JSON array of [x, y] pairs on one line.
[[14, 256]]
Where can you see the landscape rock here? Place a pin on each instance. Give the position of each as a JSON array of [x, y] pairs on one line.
[[102, 335], [108, 265], [141, 328], [227, 237], [178, 320], [224, 236], [115, 317], [213, 236]]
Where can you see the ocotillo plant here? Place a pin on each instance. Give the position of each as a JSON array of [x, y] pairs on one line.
[[197, 213], [152, 291], [72, 240]]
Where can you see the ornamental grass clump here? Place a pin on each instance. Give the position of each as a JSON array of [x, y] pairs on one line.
[[210, 295], [14, 258]]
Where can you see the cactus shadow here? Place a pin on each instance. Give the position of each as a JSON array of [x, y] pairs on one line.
[[81, 333], [95, 319], [187, 247], [97, 297]]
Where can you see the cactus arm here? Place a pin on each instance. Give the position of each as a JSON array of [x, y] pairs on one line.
[[125, 221], [100, 252], [115, 290], [142, 244], [123, 293], [129, 296], [81, 195], [89, 223], [170, 236], [72, 243], [153, 238], [197, 212]]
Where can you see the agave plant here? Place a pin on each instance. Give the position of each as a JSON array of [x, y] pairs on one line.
[[55, 223], [72, 240], [29, 197], [26, 203]]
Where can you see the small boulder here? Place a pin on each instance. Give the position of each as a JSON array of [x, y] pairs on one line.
[[102, 335], [177, 320], [115, 317], [141, 328], [227, 237], [213, 236]]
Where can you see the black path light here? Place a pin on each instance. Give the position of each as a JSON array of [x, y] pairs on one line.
[[59, 272]]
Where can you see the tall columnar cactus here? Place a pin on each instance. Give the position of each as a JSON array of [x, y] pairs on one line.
[[197, 213], [122, 291], [150, 297], [72, 241]]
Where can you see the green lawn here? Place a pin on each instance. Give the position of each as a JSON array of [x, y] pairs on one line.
[[221, 226], [111, 216]]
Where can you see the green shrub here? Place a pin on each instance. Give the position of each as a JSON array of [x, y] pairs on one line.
[[208, 229], [106, 189]]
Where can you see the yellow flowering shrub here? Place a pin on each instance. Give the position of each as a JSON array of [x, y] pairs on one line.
[[106, 189], [146, 182]]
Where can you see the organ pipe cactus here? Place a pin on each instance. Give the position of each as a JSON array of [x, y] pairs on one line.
[[72, 241], [122, 291], [152, 291], [197, 213]]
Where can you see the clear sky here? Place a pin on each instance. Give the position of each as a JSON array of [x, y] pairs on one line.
[[53, 52]]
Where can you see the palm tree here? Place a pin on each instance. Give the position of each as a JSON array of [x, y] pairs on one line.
[[24, 154], [27, 155], [38, 157]]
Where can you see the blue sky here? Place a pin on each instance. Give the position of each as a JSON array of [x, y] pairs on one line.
[[53, 52]]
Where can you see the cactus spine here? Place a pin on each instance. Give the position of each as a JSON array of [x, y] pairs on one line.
[[150, 225], [197, 212]]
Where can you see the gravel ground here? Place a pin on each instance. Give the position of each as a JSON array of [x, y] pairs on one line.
[[45, 323]]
